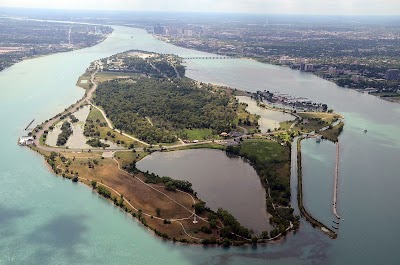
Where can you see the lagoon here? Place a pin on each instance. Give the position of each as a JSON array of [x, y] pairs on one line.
[[219, 180], [269, 119]]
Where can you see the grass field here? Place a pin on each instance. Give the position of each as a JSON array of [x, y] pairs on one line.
[[125, 158], [140, 195], [333, 134], [202, 146], [198, 134], [107, 76], [324, 116], [271, 155], [87, 77], [315, 121], [264, 150]]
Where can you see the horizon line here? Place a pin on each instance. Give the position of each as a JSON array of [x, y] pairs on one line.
[[194, 12]]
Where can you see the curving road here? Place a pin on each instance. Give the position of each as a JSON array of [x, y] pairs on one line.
[[46, 126]]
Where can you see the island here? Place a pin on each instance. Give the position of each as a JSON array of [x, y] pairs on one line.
[[137, 103]]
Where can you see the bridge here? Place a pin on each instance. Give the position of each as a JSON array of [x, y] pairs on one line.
[[210, 58]]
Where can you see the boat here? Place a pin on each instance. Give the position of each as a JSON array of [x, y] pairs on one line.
[[365, 131], [318, 139]]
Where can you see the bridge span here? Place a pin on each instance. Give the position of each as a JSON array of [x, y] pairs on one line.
[[210, 58]]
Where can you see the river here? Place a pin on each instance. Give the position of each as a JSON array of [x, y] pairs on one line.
[[48, 220]]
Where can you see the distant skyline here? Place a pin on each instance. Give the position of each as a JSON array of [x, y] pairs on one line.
[[314, 7]]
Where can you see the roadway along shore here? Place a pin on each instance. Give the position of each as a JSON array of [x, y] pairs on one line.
[[46, 126], [87, 99]]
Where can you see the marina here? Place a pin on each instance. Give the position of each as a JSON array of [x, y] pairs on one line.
[[288, 101]]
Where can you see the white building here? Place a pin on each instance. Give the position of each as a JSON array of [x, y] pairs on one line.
[[25, 140]]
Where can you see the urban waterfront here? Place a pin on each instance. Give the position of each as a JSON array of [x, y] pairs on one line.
[[48, 220]]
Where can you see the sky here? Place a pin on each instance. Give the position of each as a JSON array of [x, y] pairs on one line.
[[312, 7]]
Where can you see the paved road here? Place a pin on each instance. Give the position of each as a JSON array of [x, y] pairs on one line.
[[85, 99], [46, 126]]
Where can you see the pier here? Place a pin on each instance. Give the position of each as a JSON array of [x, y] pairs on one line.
[[335, 185], [27, 127]]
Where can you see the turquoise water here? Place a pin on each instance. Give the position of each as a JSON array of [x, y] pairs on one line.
[[318, 179], [47, 220]]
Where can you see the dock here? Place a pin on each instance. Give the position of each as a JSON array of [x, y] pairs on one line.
[[27, 127]]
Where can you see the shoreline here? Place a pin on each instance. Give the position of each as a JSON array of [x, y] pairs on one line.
[[256, 60], [86, 98], [26, 58]]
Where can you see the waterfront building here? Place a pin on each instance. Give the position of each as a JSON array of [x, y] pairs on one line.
[[158, 30], [309, 67], [25, 140], [392, 74], [286, 60], [332, 70], [356, 78]]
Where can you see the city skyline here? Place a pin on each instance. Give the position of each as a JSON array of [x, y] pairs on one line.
[[305, 7]]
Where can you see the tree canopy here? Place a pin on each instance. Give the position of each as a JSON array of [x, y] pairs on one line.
[[172, 106]]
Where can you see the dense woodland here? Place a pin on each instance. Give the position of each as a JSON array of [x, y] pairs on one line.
[[171, 105], [139, 65], [156, 67]]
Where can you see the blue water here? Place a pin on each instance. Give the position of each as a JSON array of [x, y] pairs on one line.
[[47, 220]]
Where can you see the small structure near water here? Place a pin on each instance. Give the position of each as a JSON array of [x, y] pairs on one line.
[[25, 140]]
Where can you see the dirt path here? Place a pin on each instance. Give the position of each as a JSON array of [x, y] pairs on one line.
[[119, 131], [148, 119]]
